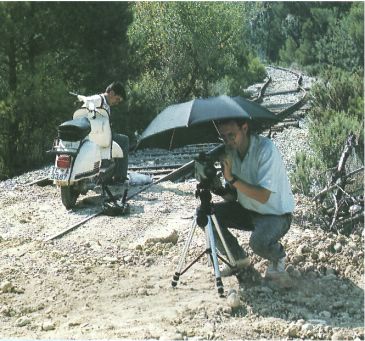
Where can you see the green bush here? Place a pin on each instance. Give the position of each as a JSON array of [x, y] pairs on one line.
[[339, 90], [328, 135], [308, 174], [337, 110]]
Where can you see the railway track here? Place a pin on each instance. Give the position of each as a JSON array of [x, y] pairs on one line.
[[283, 93]]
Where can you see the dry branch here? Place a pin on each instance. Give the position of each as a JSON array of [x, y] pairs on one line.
[[324, 191]]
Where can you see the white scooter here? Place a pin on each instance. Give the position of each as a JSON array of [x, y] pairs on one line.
[[85, 152]]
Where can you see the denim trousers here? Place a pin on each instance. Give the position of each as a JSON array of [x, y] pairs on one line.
[[266, 230]]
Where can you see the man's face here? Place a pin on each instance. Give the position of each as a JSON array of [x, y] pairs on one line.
[[232, 134], [114, 99]]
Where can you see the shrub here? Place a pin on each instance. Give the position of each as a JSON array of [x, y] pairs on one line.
[[308, 174]]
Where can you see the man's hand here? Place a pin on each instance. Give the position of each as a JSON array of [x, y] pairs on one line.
[[258, 193], [226, 162]]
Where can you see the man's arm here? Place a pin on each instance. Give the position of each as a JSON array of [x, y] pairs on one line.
[[257, 193]]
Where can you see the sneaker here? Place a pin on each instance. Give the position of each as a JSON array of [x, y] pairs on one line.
[[240, 265], [276, 269]]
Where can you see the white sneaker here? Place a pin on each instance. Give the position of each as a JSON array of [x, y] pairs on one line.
[[275, 269], [240, 265]]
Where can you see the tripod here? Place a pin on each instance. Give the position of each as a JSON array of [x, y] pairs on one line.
[[205, 218]]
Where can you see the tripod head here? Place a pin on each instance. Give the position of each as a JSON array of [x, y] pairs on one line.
[[206, 207], [206, 174]]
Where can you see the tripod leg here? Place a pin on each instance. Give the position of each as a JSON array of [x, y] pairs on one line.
[[177, 274], [214, 256], [226, 248]]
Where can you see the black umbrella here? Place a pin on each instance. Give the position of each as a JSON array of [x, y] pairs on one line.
[[193, 122]]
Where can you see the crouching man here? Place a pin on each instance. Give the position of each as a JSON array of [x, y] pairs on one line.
[[258, 199]]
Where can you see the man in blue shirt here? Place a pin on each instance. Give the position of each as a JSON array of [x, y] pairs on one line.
[[259, 197]]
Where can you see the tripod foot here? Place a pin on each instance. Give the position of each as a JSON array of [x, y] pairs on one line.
[[175, 279], [219, 284]]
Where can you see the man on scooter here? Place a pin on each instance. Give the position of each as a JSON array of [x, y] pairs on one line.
[[113, 95]]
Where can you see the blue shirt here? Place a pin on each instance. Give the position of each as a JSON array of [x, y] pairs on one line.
[[263, 166]]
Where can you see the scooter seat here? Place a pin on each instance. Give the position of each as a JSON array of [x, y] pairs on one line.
[[74, 130]]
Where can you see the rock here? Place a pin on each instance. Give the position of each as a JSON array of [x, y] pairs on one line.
[[139, 247], [5, 310], [297, 259], [314, 256], [22, 321], [348, 270], [293, 331], [302, 249], [233, 299], [171, 238], [307, 327], [48, 325], [142, 292], [338, 336], [337, 247], [171, 336], [6, 287], [111, 260], [322, 256]]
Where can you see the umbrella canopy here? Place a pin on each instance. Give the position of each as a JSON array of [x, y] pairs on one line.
[[193, 122]]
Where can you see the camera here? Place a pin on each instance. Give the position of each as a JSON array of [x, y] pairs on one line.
[[207, 173], [205, 170]]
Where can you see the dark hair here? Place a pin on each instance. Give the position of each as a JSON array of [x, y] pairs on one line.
[[239, 121], [118, 89]]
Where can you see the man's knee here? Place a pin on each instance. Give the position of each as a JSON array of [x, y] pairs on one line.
[[259, 244]]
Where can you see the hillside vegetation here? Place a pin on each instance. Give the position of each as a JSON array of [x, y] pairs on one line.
[[164, 52]]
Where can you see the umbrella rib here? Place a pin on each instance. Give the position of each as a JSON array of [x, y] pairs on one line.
[[216, 128]]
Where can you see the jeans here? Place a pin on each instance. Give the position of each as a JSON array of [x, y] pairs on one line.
[[266, 230], [121, 169]]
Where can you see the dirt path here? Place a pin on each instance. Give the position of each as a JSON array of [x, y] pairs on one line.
[[111, 278]]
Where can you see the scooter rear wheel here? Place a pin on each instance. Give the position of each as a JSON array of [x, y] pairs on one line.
[[69, 196]]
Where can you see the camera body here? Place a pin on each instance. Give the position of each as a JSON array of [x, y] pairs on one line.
[[205, 170]]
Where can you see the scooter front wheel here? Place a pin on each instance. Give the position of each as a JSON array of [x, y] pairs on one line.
[[69, 196]]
